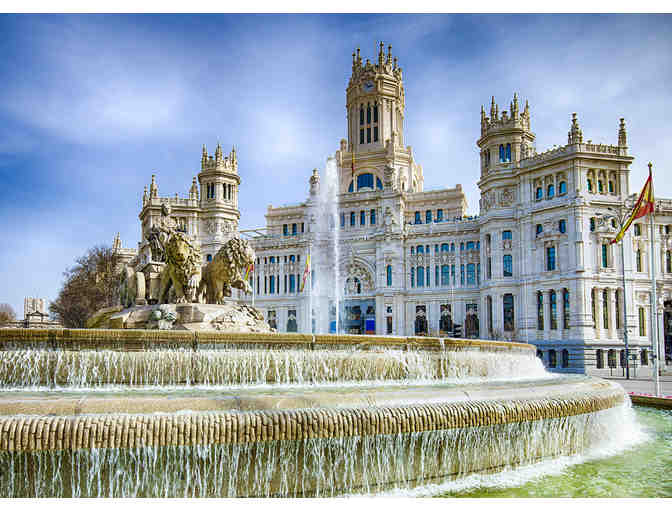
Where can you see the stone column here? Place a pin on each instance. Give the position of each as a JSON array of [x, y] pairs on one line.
[[613, 333], [598, 312]]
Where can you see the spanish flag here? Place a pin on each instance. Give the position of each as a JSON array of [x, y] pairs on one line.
[[306, 271], [250, 268], [643, 207]]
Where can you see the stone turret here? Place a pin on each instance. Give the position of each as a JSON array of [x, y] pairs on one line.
[[506, 137], [193, 191]]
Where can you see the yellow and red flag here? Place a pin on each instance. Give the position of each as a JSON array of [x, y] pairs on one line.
[[306, 271], [643, 207], [250, 268]]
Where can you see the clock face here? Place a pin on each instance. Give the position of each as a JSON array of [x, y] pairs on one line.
[[367, 86]]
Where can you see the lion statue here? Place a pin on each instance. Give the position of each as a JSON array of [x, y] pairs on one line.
[[131, 286], [181, 275], [227, 269]]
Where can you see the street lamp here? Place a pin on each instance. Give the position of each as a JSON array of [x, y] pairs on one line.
[[620, 218]]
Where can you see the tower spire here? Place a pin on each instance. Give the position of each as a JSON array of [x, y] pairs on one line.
[[622, 134], [389, 54]]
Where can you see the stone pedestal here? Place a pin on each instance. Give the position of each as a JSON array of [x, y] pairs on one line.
[[230, 316]]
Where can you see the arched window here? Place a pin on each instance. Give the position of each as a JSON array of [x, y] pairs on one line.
[[507, 263], [461, 246], [550, 191], [599, 358], [271, 260], [508, 152], [565, 358], [507, 308], [452, 246], [600, 188], [562, 226], [501, 154], [539, 228], [418, 220], [421, 249], [471, 245], [611, 186], [421, 276], [208, 257], [364, 181], [389, 275], [444, 247], [428, 216], [562, 188], [506, 234], [539, 193], [589, 185]]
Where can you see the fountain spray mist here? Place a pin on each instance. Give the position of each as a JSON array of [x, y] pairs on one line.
[[325, 252]]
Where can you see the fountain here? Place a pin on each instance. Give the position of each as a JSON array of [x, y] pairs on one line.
[[120, 413]]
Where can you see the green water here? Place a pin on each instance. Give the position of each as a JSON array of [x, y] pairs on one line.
[[643, 471]]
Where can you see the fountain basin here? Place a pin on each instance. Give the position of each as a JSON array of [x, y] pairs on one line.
[[309, 436]]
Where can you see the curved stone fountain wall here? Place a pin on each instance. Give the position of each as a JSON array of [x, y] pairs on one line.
[[248, 436]]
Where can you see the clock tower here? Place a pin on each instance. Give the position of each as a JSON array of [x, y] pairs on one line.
[[375, 103]]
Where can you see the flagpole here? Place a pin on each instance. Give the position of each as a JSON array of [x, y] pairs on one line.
[[654, 300]]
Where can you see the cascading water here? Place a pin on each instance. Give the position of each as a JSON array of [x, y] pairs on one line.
[[327, 292], [282, 415]]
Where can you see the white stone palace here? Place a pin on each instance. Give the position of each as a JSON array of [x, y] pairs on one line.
[[535, 266]]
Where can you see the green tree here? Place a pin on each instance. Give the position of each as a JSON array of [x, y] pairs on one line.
[[7, 313], [91, 284]]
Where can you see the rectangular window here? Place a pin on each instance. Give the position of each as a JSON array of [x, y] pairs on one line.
[[352, 219], [604, 256], [562, 226], [436, 276], [445, 276], [342, 219], [506, 234], [375, 133], [554, 310], [593, 307], [362, 218], [540, 311], [565, 309], [507, 262], [470, 245], [428, 273], [373, 216], [284, 230], [292, 283], [389, 325], [439, 215], [550, 258], [285, 284], [488, 268], [642, 321], [368, 135], [421, 276], [462, 274], [605, 309], [303, 227], [361, 136], [488, 304], [428, 216], [452, 273], [272, 284], [412, 277], [293, 229], [508, 312], [417, 218]]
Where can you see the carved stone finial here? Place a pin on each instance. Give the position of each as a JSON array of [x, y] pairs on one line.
[[622, 134]]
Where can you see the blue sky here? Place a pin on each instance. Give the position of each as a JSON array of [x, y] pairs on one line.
[[91, 106]]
